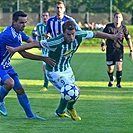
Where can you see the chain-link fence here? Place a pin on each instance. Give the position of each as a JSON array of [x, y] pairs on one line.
[[33, 18]]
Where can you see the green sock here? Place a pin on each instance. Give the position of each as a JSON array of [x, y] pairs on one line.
[[70, 105], [62, 106], [45, 81]]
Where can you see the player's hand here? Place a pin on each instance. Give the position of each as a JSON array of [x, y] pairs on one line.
[[49, 61], [103, 48], [47, 36], [10, 49], [131, 55], [119, 35]]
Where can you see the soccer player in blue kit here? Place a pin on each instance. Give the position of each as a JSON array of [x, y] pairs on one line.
[[13, 35], [54, 24], [61, 49]]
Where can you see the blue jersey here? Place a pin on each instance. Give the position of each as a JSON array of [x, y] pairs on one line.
[[54, 26], [9, 37]]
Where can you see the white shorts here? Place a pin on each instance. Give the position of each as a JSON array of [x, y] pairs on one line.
[[44, 53], [58, 79]]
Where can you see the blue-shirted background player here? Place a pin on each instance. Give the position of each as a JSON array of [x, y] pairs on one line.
[[54, 24], [13, 36]]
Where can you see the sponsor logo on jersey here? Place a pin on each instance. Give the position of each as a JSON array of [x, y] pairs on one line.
[[67, 53]]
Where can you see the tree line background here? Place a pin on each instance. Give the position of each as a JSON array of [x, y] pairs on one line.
[[98, 11]]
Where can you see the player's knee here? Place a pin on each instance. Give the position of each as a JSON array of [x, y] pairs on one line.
[[119, 67], [110, 69], [9, 83]]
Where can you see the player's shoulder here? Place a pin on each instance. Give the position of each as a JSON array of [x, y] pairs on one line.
[[79, 32], [52, 18], [22, 33], [125, 29], [57, 39], [7, 31], [68, 17], [82, 33], [110, 25], [39, 24], [124, 26], [8, 34]]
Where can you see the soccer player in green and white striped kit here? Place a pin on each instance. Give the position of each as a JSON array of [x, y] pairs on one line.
[[41, 35], [61, 49]]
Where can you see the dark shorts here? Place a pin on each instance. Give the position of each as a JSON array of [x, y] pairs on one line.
[[114, 56], [9, 73]]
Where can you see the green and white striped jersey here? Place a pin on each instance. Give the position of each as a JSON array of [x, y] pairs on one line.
[[41, 30], [61, 51]]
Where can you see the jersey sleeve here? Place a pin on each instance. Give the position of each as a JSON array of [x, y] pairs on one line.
[[48, 29], [37, 28], [77, 26], [105, 29], [126, 33], [90, 34], [53, 43], [44, 44], [85, 34]]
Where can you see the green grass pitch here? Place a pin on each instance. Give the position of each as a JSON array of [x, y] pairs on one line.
[[102, 109]]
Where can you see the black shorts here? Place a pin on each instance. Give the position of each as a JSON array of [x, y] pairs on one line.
[[114, 56]]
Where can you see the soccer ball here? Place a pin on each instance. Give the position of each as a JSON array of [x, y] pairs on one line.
[[70, 92]]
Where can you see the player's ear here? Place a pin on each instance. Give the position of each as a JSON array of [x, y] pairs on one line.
[[13, 21], [122, 18]]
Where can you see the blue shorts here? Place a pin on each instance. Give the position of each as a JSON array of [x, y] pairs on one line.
[[9, 73]]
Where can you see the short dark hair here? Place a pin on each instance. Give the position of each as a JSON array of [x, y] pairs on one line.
[[18, 14], [60, 2], [46, 12], [68, 25], [117, 13]]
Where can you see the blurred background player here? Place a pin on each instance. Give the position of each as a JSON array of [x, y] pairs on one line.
[[54, 24], [34, 33], [41, 35], [114, 48]]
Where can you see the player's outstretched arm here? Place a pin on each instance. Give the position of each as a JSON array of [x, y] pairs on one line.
[[34, 44], [119, 35], [31, 56]]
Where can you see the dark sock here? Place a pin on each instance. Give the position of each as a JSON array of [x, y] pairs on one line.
[[70, 105], [62, 106], [45, 81], [110, 76], [118, 76]]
